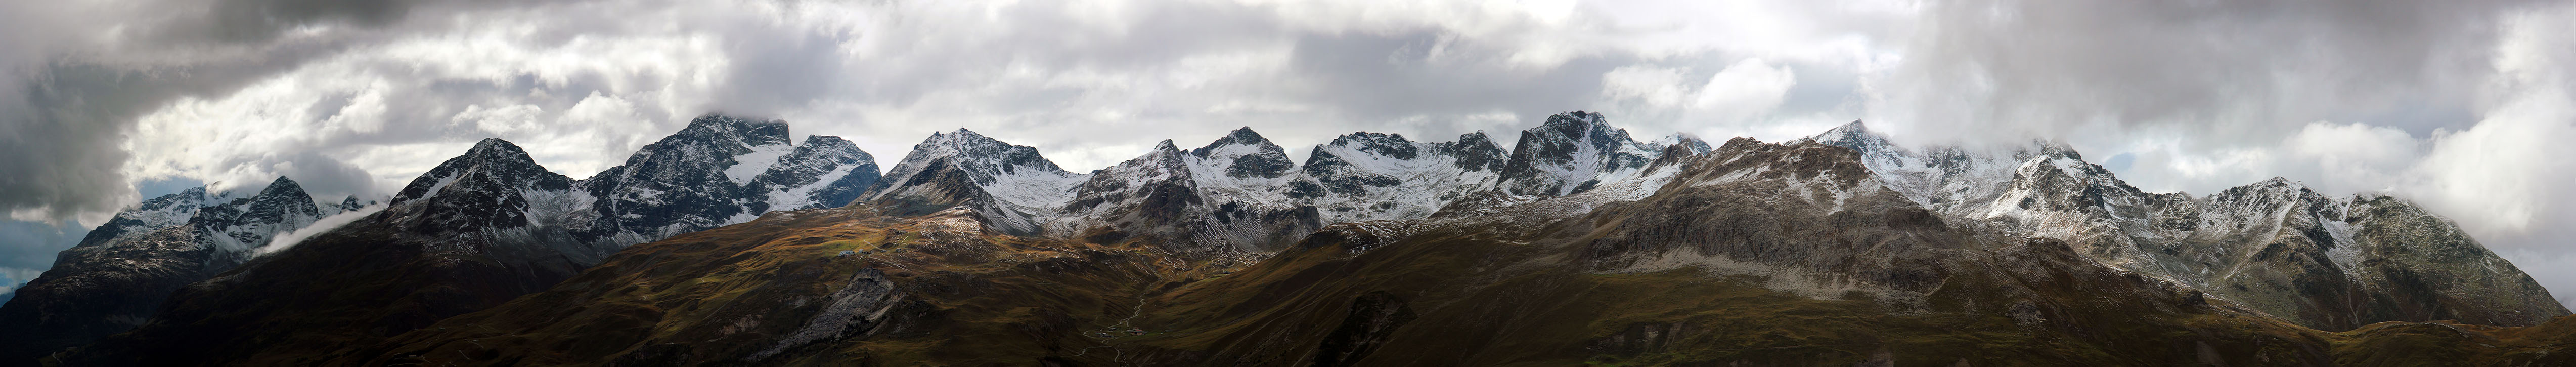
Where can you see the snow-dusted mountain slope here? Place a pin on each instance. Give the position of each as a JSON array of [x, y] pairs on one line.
[[123, 270], [688, 181], [161, 212], [825, 172], [1010, 185], [1571, 152], [1371, 176], [495, 200], [718, 170], [2322, 261], [234, 228], [1229, 195], [1242, 194]]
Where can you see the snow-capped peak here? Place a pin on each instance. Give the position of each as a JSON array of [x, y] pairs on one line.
[[981, 158], [1012, 186], [499, 157], [826, 171], [1571, 152], [1242, 154], [239, 225], [750, 146], [1477, 152]]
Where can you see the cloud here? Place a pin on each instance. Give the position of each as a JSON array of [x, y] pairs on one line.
[[1742, 94], [289, 239], [2244, 68], [78, 75], [2506, 179]]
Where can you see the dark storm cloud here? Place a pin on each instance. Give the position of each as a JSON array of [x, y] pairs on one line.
[[64, 146], [76, 100], [254, 21], [2251, 69], [1386, 77]]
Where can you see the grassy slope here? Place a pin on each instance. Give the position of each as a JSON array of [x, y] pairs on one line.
[[1475, 310], [1473, 301], [717, 296], [354, 287]]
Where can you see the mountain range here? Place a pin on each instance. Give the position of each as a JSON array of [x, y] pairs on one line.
[[726, 243], [476, 230]]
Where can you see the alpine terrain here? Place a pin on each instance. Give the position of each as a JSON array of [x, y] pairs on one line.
[[729, 244]]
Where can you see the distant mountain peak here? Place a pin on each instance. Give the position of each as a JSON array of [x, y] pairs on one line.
[[1572, 120], [983, 156], [1571, 151], [500, 157], [1854, 127], [495, 147], [1686, 142], [1390, 145], [1245, 154], [1243, 136], [749, 132]]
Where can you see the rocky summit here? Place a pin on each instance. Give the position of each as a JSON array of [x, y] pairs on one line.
[[729, 244]]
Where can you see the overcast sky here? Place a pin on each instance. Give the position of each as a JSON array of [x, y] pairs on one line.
[[2463, 106]]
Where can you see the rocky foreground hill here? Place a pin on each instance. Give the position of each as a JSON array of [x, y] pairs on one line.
[[1577, 245]]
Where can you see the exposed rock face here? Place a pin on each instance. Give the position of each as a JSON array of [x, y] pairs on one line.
[[1009, 184], [495, 203], [686, 181], [123, 270], [826, 172], [722, 170], [162, 212], [1370, 176], [1570, 152], [1226, 196], [2327, 262], [1241, 194]]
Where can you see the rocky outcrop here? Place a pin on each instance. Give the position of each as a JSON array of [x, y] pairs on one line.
[[1569, 153]]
